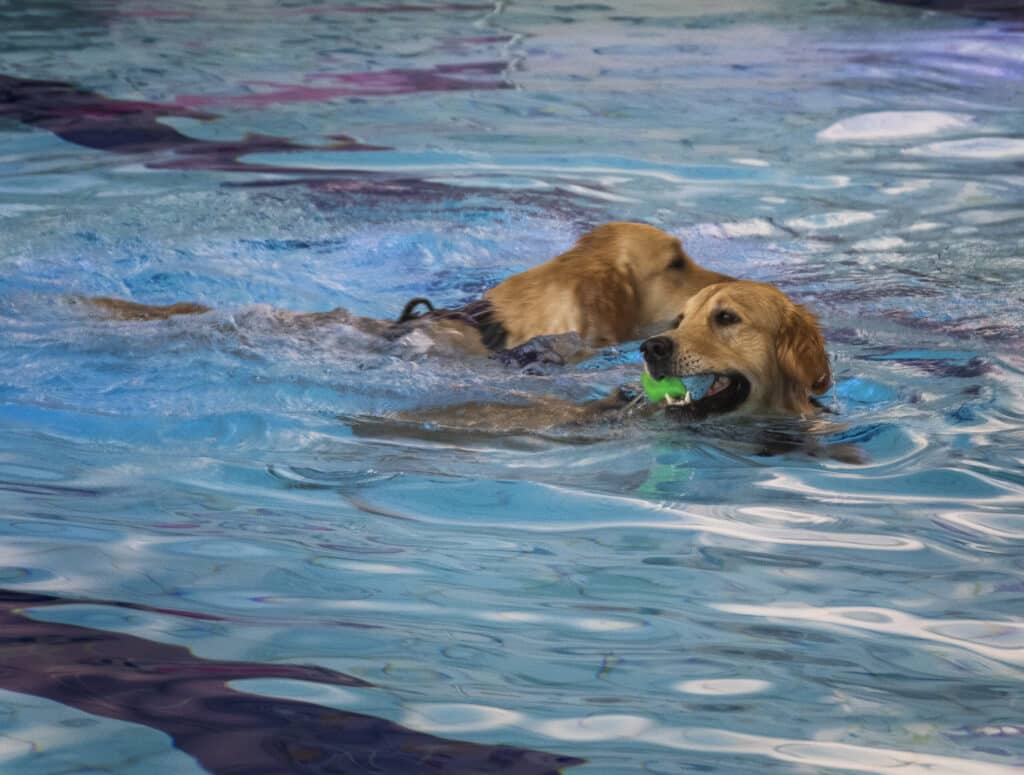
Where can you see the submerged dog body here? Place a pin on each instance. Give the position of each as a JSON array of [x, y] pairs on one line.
[[619, 282], [765, 352]]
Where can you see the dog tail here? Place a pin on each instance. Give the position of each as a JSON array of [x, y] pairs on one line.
[[409, 310]]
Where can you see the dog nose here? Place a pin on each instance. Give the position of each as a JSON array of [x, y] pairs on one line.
[[657, 349]]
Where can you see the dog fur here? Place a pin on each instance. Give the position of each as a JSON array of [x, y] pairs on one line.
[[753, 330], [772, 342], [620, 282]]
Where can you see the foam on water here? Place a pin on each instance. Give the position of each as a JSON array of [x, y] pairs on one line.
[[893, 125]]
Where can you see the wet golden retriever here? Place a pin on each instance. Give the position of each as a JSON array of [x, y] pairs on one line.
[[766, 355], [765, 352], [619, 282]]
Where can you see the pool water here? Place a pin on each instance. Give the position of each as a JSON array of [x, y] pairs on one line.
[[210, 524]]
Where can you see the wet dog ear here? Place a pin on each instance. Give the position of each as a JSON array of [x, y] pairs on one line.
[[608, 301], [800, 349]]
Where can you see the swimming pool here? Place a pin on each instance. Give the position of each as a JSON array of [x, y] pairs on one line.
[[213, 561]]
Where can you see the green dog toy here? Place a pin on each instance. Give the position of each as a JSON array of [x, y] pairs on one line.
[[658, 390]]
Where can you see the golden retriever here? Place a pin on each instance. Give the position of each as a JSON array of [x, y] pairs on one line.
[[765, 352], [619, 282]]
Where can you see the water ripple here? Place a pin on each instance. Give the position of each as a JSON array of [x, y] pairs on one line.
[[456, 718], [1000, 641], [506, 502], [651, 597]]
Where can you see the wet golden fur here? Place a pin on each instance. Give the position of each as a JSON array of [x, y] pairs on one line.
[[754, 329], [774, 343], [619, 282]]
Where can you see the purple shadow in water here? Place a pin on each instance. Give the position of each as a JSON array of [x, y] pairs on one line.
[[314, 10], [967, 327], [168, 688], [983, 9], [94, 121], [323, 87]]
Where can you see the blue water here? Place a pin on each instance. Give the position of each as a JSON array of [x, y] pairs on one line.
[[650, 599]]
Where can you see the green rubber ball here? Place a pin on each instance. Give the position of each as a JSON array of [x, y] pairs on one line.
[[658, 390]]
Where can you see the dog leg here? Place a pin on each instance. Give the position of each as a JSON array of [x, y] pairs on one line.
[[130, 310]]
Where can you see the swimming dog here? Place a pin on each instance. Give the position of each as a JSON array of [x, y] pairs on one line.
[[765, 352], [620, 282], [766, 355]]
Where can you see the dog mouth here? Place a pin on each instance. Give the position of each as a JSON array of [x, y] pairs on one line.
[[711, 394]]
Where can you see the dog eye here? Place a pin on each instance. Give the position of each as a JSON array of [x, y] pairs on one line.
[[678, 263], [726, 318], [678, 321]]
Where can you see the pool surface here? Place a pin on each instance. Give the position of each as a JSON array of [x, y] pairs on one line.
[[219, 554]]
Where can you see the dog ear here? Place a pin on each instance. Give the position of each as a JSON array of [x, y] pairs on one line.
[[800, 348], [607, 301]]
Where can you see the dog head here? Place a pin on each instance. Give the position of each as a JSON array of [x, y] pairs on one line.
[[637, 279], [766, 352], [619, 282]]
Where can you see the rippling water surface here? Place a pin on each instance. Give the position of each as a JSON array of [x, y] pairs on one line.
[[647, 598]]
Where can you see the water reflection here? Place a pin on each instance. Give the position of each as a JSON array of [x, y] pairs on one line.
[[167, 688], [559, 594]]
